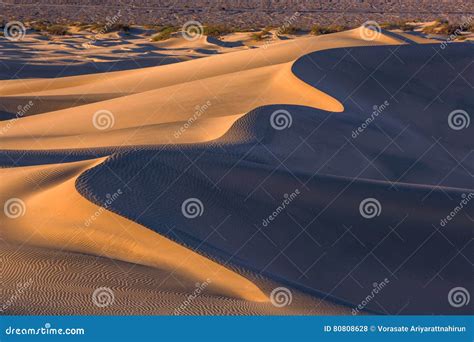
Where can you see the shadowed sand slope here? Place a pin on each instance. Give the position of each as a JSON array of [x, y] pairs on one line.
[[56, 215], [408, 159], [249, 169]]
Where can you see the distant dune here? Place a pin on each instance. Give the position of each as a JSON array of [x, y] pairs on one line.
[[239, 172]]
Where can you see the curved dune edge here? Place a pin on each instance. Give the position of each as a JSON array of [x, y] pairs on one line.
[[164, 99], [71, 128], [55, 218]]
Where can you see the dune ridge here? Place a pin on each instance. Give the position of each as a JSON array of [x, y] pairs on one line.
[[157, 165]]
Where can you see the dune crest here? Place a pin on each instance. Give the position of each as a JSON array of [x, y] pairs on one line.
[[148, 104], [55, 214]]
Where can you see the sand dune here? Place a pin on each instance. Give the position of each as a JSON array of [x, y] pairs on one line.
[[50, 194], [170, 94], [62, 283], [202, 129]]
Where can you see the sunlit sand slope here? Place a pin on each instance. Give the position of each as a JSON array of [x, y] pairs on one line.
[[409, 160], [104, 163], [142, 101]]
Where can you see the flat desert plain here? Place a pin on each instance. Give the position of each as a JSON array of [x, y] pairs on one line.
[[300, 175]]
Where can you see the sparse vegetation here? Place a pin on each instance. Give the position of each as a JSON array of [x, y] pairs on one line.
[[260, 35], [470, 27], [57, 30], [217, 30], [104, 27], [50, 28], [441, 27], [288, 30], [164, 32], [318, 30]]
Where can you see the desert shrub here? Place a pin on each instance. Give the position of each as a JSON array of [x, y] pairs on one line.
[[318, 30], [39, 26], [104, 27], [119, 28], [217, 30], [288, 30], [441, 28], [164, 32], [470, 27], [57, 30], [84, 26], [49, 28], [260, 35]]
